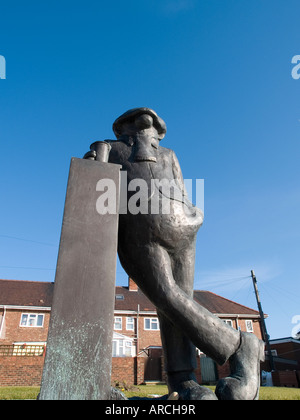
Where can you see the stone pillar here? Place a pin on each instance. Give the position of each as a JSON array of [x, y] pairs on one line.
[[79, 347]]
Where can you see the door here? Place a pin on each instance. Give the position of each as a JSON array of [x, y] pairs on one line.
[[152, 370], [208, 370]]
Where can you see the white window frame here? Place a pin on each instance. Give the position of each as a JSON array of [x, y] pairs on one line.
[[228, 322], [130, 323], [117, 322], [153, 322], [249, 328], [34, 317], [123, 348]]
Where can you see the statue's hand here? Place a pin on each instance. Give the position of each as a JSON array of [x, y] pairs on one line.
[[91, 155]]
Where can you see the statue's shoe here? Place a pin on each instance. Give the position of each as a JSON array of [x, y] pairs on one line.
[[244, 381], [190, 390]]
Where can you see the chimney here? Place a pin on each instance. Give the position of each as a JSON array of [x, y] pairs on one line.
[[132, 285]]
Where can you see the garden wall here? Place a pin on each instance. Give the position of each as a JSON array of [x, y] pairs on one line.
[[21, 370]]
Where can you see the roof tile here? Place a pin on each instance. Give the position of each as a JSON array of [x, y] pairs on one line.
[[34, 293]]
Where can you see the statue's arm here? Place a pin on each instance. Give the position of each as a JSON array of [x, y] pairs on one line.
[[92, 154], [178, 174]]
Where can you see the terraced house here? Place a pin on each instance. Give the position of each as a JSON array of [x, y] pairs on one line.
[[25, 308]]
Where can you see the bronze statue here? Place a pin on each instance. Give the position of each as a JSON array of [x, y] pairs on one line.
[[157, 250]]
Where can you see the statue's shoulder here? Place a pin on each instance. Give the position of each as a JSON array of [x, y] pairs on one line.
[[166, 151]]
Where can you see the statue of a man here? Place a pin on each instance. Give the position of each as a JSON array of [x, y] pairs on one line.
[[158, 252]]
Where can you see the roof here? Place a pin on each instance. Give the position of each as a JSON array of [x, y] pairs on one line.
[[119, 336], [131, 300], [40, 294], [26, 293], [220, 305], [285, 340]]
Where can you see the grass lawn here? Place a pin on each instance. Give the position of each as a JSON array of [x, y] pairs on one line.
[[279, 393], [19, 392], [149, 391], [266, 393]]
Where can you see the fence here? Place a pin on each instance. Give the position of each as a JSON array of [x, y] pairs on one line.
[[22, 350]]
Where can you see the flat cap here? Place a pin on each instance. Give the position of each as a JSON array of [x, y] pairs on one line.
[[130, 115]]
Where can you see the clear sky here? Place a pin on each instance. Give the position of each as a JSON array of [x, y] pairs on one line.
[[217, 71]]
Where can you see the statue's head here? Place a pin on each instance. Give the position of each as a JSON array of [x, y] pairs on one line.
[[138, 119]]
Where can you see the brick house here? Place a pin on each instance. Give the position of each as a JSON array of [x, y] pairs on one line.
[[25, 308], [286, 352], [24, 319], [286, 358]]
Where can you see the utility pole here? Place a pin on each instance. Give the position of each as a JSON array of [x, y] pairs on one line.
[[263, 324]]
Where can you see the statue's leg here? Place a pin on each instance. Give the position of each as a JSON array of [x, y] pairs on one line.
[[180, 362], [179, 351], [151, 267]]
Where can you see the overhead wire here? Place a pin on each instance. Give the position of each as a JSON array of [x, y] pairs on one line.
[[31, 241], [27, 240], [286, 293], [278, 304], [27, 268], [242, 286], [222, 283]]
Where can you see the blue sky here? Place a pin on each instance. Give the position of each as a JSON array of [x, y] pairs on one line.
[[217, 71]]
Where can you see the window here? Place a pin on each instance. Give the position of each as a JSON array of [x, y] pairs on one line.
[[273, 352], [130, 323], [249, 325], [228, 322], [122, 347], [32, 320], [118, 323], [151, 324]]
